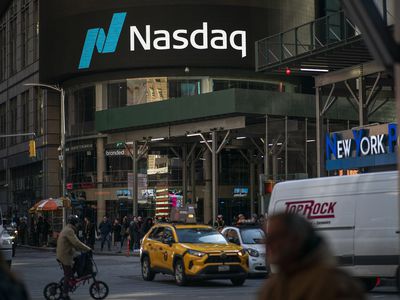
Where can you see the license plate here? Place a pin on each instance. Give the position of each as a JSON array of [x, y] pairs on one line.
[[223, 268]]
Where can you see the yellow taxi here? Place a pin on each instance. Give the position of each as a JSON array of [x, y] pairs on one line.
[[192, 252]]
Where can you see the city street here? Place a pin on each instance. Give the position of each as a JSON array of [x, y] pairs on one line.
[[122, 274]]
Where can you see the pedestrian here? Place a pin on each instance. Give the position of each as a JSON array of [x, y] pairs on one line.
[[67, 244], [147, 226], [124, 231], [219, 223], [45, 232], [241, 219], [306, 269], [117, 233], [89, 231], [105, 229], [40, 230], [138, 233], [132, 234], [10, 287], [22, 231]]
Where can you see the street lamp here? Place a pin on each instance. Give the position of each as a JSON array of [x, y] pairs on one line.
[[62, 146]]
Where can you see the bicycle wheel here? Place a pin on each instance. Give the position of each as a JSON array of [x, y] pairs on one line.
[[52, 291], [98, 290]]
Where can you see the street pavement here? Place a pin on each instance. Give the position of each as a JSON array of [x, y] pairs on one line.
[[122, 274]]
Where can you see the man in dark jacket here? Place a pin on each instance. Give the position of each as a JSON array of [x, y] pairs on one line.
[[105, 229]]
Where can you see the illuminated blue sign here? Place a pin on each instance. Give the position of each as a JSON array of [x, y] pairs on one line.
[[97, 38], [360, 148]]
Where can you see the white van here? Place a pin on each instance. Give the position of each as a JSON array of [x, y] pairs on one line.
[[357, 214]]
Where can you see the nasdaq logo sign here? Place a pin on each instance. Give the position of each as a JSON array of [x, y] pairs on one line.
[[151, 39], [96, 38]]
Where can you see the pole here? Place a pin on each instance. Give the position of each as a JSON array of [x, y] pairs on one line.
[[252, 181], [266, 165], [361, 101], [397, 93], [63, 165], [286, 148], [184, 174], [318, 129], [214, 176], [135, 178]]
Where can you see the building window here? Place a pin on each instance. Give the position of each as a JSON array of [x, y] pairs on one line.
[[80, 111], [38, 112], [25, 114], [247, 85], [13, 120], [3, 51], [36, 30], [3, 124], [13, 40], [116, 95], [182, 88], [24, 33], [144, 90]]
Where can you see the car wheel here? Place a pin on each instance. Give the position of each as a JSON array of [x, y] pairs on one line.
[[180, 277], [238, 281], [368, 283], [147, 273]]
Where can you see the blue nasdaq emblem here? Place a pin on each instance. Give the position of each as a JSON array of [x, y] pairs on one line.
[[96, 37]]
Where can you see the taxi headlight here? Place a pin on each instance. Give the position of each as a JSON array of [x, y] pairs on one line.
[[196, 253], [242, 252], [253, 252]]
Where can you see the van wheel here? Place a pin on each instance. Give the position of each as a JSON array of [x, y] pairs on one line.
[[147, 273], [368, 283]]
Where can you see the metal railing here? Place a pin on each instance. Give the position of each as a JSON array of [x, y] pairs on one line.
[[311, 37]]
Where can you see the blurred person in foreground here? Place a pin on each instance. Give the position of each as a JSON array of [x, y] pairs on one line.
[[67, 244], [10, 287], [306, 269]]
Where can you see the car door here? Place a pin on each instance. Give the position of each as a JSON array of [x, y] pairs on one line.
[[166, 255], [153, 244]]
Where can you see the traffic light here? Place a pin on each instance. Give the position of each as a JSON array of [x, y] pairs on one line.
[[32, 148]]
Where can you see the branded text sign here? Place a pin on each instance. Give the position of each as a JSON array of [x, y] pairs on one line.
[[99, 36]]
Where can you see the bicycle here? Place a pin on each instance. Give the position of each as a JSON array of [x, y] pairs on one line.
[[98, 289]]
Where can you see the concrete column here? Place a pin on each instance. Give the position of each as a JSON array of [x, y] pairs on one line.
[[286, 148], [101, 167], [207, 186]]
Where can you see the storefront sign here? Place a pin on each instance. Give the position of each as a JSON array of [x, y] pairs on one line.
[[126, 193], [78, 148], [103, 35], [116, 152], [365, 147]]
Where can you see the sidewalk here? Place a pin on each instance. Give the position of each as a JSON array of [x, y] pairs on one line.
[[97, 251]]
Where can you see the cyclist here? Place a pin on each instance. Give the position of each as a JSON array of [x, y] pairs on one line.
[[67, 244]]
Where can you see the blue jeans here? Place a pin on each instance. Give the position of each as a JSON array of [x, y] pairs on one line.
[[105, 238]]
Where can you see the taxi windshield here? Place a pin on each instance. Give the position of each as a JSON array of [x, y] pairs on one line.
[[200, 236]]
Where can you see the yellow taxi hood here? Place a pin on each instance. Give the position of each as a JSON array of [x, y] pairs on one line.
[[210, 248]]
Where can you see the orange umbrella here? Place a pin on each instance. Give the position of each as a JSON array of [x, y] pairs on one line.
[[47, 205]]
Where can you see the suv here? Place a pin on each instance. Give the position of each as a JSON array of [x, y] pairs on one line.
[[190, 252]]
